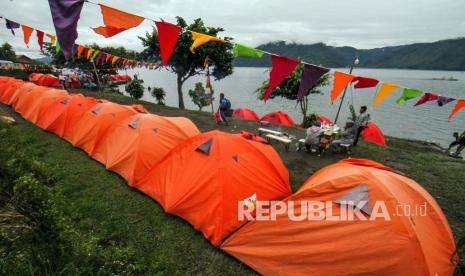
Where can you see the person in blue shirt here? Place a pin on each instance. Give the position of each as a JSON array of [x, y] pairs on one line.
[[225, 107]]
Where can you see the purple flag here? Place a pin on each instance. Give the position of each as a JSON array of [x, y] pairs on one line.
[[11, 25], [310, 75], [65, 14], [444, 100]]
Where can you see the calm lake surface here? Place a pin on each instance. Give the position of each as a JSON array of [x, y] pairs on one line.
[[427, 122]]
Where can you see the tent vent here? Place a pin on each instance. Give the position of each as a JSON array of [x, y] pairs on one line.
[[357, 196], [206, 147], [236, 157], [65, 101], [155, 130], [134, 123], [97, 110]]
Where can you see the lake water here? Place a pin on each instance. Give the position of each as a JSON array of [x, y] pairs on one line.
[[427, 122]]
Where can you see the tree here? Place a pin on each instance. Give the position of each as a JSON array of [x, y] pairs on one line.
[[289, 88], [199, 96], [7, 52], [135, 88], [159, 94], [186, 64]]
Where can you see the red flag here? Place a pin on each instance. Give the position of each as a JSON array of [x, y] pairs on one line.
[[282, 68], [363, 82], [341, 80], [107, 31], [168, 35], [460, 104], [40, 39], [27, 34], [109, 57], [427, 97]]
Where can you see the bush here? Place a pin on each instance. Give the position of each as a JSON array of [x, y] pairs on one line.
[[199, 96], [135, 88], [159, 94]]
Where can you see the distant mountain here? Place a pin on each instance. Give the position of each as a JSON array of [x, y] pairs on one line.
[[441, 55], [44, 60]]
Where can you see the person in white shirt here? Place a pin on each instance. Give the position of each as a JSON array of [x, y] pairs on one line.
[[361, 122], [313, 135]]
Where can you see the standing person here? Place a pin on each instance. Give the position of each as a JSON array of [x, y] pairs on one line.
[[225, 107], [361, 122], [459, 142]]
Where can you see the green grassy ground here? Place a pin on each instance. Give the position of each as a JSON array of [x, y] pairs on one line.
[[111, 228]]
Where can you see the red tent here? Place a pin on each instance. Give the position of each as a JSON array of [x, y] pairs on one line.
[[325, 120], [374, 134], [49, 80], [245, 114], [279, 118]]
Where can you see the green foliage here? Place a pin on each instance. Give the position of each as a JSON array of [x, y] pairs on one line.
[[7, 52], [198, 96], [135, 88], [353, 114], [186, 64], [289, 88], [310, 120], [159, 94]]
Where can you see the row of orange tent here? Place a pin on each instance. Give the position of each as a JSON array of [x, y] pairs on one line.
[[202, 178]]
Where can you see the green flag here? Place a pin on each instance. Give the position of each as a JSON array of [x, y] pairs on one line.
[[246, 51], [408, 94], [95, 54], [57, 48]]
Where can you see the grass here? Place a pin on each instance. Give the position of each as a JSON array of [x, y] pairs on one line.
[[107, 214]]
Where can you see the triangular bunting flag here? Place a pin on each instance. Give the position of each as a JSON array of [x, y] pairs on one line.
[[341, 80], [116, 21], [310, 76], [408, 94], [65, 16], [11, 25], [363, 82], [240, 50], [99, 57], [427, 97], [40, 39], [27, 31], [444, 100], [90, 51], [57, 47], [168, 35], [80, 50], [95, 54], [109, 57], [385, 90], [52, 38], [201, 39], [460, 104], [114, 60], [282, 68]]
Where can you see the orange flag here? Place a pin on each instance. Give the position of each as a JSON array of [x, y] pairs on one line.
[[341, 80], [79, 51], [108, 58], [27, 34], [115, 58], [385, 90], [89, 53], [116, 21], [52, 38], [460, 104], [201, 39]]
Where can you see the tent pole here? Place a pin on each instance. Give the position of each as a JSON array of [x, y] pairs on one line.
[[345, 89]]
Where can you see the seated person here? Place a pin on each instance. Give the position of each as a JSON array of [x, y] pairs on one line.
[[313, 135], [347, 137]]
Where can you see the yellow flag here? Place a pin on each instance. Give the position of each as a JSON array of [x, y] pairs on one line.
[[114, 60], [89, 53], [200, 39], [385, 90], [52, 38]]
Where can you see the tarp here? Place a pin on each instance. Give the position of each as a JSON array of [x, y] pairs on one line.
[[204, 179], [63, 114], [42, 103], [279, 118], [245, 114], [95, 123], [49, 80], [404, 245], [137, 143]]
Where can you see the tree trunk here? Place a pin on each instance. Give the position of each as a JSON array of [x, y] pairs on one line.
[[180, 94]]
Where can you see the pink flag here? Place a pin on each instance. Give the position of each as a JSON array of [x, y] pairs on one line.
[[427, 97], [282, 68]]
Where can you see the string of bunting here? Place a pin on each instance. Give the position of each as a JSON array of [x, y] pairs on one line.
[[66, 15]]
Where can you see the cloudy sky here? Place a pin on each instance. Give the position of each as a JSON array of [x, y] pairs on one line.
[[358, 23]]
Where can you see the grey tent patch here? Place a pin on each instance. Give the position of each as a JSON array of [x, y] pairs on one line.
[[236, 157], [154, 130], [97, 110], [355, 197], [206, 147], [134, 123], [65, 101]]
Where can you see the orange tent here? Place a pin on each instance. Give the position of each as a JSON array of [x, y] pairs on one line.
[[49, 80], [4, 84], [94, 124], [42, 103], [63, 114], [9, 93], [413, 239], [34, 77], [203, 180], [27, 97], [135, 144]]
